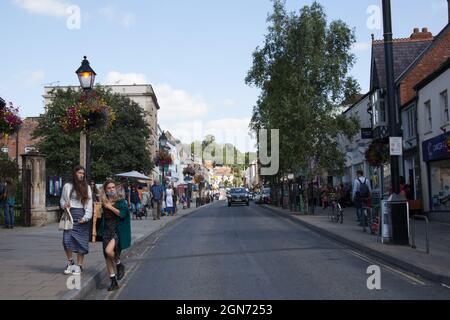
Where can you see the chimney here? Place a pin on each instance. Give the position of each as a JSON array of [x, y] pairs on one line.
[[424, 35]]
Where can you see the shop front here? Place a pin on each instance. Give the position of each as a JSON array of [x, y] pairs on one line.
[[436, 155]]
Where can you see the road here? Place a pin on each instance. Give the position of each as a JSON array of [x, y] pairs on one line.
[[241, 252]]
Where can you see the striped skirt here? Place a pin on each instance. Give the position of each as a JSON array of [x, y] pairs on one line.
[[77, 239]]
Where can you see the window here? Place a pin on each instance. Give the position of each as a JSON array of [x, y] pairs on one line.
[[444, 107], [428, 119], [409, 126], [379, 109]]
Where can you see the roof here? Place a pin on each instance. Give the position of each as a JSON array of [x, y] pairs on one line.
[[444, 67], [358, 101], [405, 52], [419, 57]]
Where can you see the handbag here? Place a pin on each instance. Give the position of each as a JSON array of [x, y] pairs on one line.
[[66, 222]]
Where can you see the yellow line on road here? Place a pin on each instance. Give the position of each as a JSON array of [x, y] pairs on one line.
[[362, 257]]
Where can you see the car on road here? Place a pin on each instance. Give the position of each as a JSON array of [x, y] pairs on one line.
[[238, 195]]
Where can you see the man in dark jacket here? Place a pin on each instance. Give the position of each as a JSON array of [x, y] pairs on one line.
[[157, 197]]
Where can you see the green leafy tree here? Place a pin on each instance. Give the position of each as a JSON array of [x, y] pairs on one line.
[[8, 168], [122, 147], [303, 73]]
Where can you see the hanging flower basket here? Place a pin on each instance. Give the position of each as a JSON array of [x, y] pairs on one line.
[[378, 153], [9, 119], [163, 158], [90, 113]]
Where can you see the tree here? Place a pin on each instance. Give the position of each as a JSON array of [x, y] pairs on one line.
[[122, 147], [302, 71], [8, 168]]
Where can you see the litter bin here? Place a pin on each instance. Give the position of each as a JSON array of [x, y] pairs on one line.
[[395, 222]]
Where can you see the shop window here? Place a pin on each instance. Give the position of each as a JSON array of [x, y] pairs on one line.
[[440, 185]]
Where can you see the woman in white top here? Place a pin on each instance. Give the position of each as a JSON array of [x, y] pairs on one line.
[[77, 197], [169, 200]]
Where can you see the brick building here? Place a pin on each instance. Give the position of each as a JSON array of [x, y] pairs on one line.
[[8, 143]]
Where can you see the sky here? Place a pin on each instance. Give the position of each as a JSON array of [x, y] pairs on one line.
[[195, 53]]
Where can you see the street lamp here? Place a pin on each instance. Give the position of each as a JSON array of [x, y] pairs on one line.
[[86, 77], [163, 144]]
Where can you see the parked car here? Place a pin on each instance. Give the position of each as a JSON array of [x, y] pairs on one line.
[[238, 195]]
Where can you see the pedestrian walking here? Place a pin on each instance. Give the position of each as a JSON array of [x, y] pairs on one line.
[[175, 200], [146, 204], [361, 194], [184, 201], [2, 198], [169, 201], [115, 229], [124, 191], [135, 202], [95, 191], [77, 197], [157, 197], [9, 199]]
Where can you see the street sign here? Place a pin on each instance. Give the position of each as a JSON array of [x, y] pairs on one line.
[[395, 146], [366, 133]]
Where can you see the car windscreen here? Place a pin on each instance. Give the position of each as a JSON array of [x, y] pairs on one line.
[[238, 190]]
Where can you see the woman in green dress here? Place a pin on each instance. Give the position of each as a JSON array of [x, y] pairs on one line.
[[115, 229]]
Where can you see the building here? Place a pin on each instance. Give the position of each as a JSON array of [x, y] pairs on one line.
[[26, 143], [251, 176], [425, 64], [143, 95], [356, 148], [433, 129]]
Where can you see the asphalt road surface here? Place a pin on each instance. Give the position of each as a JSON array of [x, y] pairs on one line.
[[240, 252]]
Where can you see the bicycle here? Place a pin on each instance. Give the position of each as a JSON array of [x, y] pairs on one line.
[[337, 208], [370, 220]]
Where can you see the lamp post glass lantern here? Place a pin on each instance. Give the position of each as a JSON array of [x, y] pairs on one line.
[[86, 75]]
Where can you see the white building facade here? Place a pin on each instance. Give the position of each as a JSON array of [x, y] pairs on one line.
[[433, 128]]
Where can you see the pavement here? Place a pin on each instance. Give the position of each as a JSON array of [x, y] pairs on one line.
[[247, 253], [33, 260], [434, 266]]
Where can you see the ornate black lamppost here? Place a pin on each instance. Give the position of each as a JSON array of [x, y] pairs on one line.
[[86, 76]]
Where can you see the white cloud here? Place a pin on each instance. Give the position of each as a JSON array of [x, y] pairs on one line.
[[108, 12], [229, 103], [178, 104], [114, 77], [128, 20], [361, 46], [54, 8]]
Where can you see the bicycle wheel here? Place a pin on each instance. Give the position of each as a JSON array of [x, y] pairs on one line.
[[341, 214]]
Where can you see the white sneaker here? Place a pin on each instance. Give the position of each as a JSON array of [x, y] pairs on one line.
[[70, 268]]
